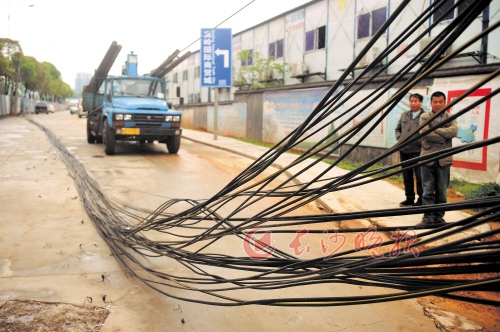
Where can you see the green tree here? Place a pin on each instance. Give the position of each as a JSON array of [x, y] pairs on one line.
[[29, 75], [258, 72], [52, 84], [43, 77], [5, 66], [8, 50], [52, 70]]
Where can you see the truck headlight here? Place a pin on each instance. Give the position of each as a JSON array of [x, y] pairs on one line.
[[119, 117], [127, 117], [176, 118], [168, 118]]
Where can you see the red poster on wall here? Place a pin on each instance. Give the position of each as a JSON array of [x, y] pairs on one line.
[[473, 126]]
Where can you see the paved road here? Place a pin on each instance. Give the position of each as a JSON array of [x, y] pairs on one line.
[[43, 227]]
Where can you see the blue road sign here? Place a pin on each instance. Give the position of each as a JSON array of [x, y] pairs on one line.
[[216, 68]]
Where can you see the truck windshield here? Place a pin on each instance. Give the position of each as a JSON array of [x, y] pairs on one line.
[[138, 88]]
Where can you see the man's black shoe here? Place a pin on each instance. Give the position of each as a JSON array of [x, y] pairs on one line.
[[426, 222], [418, 203], [406, 203], [439, 221]]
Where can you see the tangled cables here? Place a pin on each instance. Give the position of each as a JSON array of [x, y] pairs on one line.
[[185, 255]]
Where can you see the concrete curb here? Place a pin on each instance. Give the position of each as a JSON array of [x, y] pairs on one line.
[[372, 196], [322, 204]]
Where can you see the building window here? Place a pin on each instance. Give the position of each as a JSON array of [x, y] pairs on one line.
[[197, 72], [453, 13], [272, 50], [316, 39], [248, 61], [463, 6], [185, 75], [174, 80], [370, 23], [379, 18], [276, 49], [194, 98], [310, 40], [279, 49]]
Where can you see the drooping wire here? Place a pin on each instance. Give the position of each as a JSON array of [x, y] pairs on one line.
[[202, 241]]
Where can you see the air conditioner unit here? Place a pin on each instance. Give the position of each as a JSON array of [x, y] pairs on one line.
[[299, 68], [369, 57], [426, 41]]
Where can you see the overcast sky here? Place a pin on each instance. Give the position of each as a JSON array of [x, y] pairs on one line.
[[75, 35]]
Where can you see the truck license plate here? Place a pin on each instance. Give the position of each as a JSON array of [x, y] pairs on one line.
[[131, 131]]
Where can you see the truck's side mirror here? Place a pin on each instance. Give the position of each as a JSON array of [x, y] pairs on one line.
[[178, 91], [169, 105]]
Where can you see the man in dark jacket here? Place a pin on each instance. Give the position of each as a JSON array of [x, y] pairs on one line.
[[408, 122], [436, 174]]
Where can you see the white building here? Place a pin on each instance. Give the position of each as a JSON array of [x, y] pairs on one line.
[[81, 80], [319, 40], [322, 37]]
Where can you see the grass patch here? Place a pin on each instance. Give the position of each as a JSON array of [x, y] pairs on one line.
[[475, 190], [462, 186], [458, 188], [254, 142], [351, 165]]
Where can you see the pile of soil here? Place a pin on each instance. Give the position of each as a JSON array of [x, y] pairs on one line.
[[34, 316]]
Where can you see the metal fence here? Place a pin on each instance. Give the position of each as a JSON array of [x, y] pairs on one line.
[[28, 105], [4, 105], [24, 105]]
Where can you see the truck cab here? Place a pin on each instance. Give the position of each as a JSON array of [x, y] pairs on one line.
[[133, 108]]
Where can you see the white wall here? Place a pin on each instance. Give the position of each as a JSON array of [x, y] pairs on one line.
[[294, 40], [340, 38], [342, 45], [316, 16]]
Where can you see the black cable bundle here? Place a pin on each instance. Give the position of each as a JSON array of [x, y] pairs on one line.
[[193, 242]]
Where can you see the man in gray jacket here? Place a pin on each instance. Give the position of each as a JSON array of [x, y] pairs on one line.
[[408, 122], [436, 174]]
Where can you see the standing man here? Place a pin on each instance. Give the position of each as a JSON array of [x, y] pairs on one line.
[[436, 174], [408, 122]]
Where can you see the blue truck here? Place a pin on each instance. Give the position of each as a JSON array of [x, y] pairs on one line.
[[129, 108]]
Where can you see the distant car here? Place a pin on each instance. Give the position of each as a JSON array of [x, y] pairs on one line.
[[42, 106], [81, 111], [73, 107], [50, 108]]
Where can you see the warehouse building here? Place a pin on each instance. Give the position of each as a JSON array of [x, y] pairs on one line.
[[315, 43]]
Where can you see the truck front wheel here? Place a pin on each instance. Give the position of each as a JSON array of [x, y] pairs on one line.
[[173, 143], [109, 139], [90, 136]]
